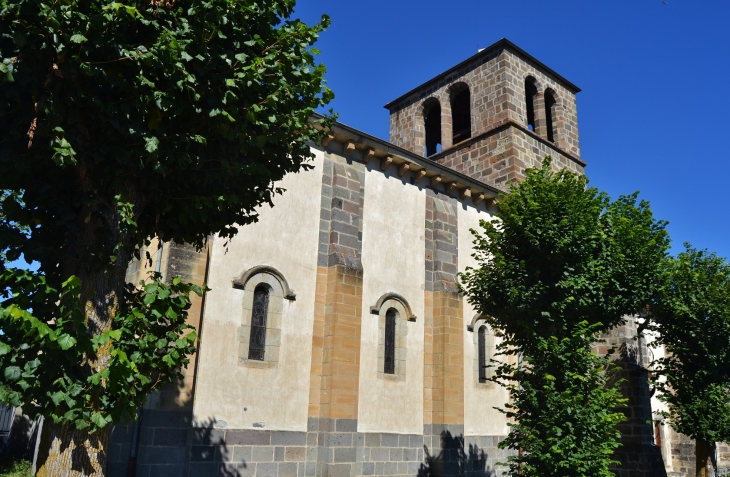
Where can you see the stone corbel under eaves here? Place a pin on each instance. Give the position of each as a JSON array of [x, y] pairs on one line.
[[439, 177]]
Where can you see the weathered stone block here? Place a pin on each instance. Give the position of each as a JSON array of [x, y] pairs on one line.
[[267, 469], [246, 437], [288, 438], [345, 454], [262, 454], [287, 469]]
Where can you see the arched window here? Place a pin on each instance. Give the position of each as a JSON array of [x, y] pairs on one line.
[[484, 349], [482, 341], [432, 122], [461, 114], [265, 291], [393, 314], [257, 340], [389, 359], [530, 93], [550, 114]]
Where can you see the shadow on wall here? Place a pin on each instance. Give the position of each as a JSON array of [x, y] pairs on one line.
[[455, 460], [209, 445], [19, 441], [169, 445]]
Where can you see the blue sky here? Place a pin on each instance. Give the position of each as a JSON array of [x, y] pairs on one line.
[[654, 112]]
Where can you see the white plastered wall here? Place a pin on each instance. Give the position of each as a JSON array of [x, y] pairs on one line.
[[657, 406], [285, 237], [393, 261], [480, 417]]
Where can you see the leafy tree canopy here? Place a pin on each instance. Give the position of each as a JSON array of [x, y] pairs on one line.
[[562, 253], [691, 320], [560, 265], [122, 121], [562, 407], [168, 118]]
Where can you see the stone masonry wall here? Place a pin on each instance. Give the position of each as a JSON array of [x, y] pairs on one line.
[[329, 448], [443, 345], [639, 456], [502, 155]]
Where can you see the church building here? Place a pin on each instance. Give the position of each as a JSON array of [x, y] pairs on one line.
[[334, 341]]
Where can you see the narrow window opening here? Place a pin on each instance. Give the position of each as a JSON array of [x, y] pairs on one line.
[[257, 340], [549, 114], [482, 340], [530, 93], [461, 115], [433, 130], [389, 362]]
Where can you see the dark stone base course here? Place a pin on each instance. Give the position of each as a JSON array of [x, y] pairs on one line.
[[170, 446], [640, 460]]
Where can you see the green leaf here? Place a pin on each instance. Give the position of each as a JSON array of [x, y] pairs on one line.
[[58, 397], [151, 144], [66, 341], [78, 38], [99, 420], [4, 348], [12, 373]]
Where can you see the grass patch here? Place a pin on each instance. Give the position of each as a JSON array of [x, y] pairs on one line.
[[14, 468]]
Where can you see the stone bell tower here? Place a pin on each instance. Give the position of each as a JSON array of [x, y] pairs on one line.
[[491, 116]]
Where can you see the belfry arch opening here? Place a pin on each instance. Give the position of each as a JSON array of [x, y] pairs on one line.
[[550, 114], [432, 123], [461, 113], [530, 93]]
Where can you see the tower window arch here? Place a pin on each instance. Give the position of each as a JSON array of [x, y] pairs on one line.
[[461, 113], [432, 125], [531, 92], [551, 104]]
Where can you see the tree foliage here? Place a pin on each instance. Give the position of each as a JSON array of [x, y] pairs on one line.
[[560, 265], [691, 320], [47, 364], [178, 115], [123, 121], [562, 253], [561, 407]]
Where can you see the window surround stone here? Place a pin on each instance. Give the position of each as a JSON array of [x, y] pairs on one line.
[[402, 317], [278, 291]]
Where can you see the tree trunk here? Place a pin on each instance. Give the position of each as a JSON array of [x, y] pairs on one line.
[[704, 452], [67, 452]]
